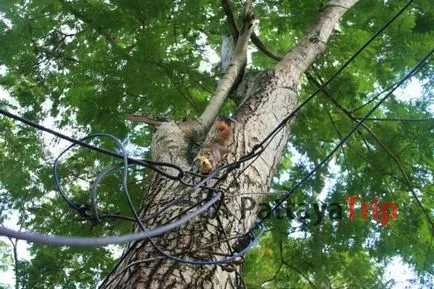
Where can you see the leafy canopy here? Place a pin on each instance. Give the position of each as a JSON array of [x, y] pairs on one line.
[[82, 65]]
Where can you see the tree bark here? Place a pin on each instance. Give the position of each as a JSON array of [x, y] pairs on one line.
[[272, 97]]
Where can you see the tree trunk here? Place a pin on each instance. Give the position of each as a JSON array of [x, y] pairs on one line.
[[273, 96]]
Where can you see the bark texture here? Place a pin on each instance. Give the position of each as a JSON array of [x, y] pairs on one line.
[[272, 97]]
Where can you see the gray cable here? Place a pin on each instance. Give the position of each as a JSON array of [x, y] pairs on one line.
[[104, 241]]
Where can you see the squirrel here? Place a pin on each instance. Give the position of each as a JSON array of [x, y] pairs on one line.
[[214, 151]]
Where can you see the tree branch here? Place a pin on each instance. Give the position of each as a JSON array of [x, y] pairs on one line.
[[282, 260], [178, 87], [313, 43], [234, 32], [230, 19], [262, 47], [223, 89], [110, 38], [145, 119]]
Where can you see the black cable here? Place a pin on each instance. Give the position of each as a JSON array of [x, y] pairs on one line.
[[102, 241], [287, 118], [145, 234], [400, 119], [56, 174], [94, 188], [144, 162], [159, 249], [377, 96], [77, 241], [345, 138], [259, 148]]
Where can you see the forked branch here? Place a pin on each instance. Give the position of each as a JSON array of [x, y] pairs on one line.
[[223, 89]]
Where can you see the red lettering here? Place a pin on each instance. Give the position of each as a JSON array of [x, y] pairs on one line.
[[384, 216], [375, 208], [351, 201], [365, 207]]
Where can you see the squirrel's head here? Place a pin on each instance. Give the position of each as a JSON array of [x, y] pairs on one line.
[[204, 164]]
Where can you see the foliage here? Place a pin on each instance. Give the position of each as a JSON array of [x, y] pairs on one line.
[[82, 65]]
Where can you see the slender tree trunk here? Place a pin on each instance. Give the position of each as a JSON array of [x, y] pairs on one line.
[[16, 263], [273, 96]]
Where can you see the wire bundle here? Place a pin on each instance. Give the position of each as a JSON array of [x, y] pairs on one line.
[[215, 194]]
